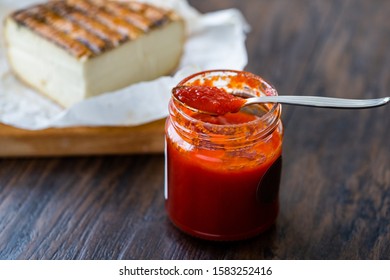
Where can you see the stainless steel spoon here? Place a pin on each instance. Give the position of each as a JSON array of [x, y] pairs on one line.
[[313, 101], [319, 101]]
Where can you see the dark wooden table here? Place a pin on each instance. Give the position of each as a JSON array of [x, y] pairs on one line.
[[335, 190]]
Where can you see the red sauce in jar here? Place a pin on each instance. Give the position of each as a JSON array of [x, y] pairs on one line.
[[208, 99], [223, 172], [208, 199]]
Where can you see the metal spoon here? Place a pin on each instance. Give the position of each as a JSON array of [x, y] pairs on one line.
[[249, 99], [319, 101]]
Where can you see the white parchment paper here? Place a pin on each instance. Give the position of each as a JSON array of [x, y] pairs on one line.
[[215, 41]]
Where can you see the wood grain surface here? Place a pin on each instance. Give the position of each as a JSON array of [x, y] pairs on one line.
[[335, 189]]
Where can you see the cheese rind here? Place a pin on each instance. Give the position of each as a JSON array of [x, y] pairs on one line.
[[69, 75]]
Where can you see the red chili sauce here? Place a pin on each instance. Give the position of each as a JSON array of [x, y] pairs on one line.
[[208, 99], [208, 200], [223, 193]]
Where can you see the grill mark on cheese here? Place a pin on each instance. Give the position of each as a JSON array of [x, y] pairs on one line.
[[119, 10], [153, 14], [97, 28], [157, 16], [61, 39], [86, 28], [87, 21], [76, 32], [119, 25], [135, 6]]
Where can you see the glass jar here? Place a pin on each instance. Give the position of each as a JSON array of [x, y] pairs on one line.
[[223, 172]]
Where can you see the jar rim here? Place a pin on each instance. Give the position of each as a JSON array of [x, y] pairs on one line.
[[260, 119]]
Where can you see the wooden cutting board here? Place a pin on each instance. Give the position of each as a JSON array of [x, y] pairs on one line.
[[144, 139]]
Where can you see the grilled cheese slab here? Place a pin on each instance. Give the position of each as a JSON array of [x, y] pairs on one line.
[[74, 49]]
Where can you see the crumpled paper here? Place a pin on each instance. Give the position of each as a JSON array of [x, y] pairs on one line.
[[215, 41]]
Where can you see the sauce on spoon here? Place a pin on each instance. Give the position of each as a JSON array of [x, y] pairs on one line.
[[208, 99]]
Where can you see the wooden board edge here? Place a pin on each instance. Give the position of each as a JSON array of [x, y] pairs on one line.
[[82, 141]]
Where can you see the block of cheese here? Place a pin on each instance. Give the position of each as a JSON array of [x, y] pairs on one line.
[[70, 50]]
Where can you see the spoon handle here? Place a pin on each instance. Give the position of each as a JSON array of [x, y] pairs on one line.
[[318, 101]]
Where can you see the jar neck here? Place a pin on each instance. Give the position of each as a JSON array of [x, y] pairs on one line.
[[197, 131]]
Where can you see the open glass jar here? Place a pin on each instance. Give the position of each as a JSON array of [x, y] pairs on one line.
[[223, 172]]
